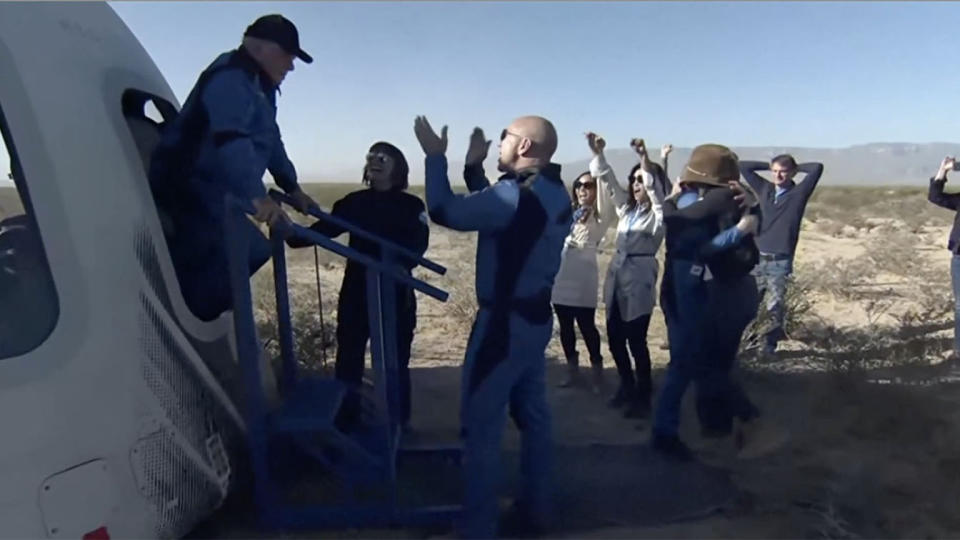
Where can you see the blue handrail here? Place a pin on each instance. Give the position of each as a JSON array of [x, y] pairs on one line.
[[393, 270], [354, 230]]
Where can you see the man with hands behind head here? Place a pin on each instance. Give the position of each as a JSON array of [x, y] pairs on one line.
[[782, 203]]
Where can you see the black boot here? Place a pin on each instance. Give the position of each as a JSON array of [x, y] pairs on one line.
[[619, 399], [599, 385], [574, 378], [638, 407]]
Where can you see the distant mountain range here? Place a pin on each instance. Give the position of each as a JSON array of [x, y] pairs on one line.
[[867, 164]]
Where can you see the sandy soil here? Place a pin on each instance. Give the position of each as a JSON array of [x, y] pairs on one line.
[[864, 459]]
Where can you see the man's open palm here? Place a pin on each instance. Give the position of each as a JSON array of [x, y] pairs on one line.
[[429, 141], [479, 146]]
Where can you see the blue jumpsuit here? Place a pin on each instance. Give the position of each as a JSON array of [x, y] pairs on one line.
[[522, 222], [223, 141]]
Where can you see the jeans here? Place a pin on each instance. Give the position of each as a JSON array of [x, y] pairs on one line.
[[955, 279], [771, 277], [685, 296]]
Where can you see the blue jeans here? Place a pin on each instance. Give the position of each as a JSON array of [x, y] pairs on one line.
[[515, 380], [771, 277], [955, 279], [684, 302]]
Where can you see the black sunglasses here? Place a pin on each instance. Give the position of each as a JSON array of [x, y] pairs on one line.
[[578, 185], [505, 132]]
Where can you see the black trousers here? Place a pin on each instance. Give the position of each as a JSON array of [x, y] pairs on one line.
[[720, 398], [620, 333], [353, 333], [584, 317]]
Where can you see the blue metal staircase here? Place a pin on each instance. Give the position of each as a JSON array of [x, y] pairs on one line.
[[357, 472]]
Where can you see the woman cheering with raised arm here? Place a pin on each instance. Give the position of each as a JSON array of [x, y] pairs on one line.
[[575, 288], [629, 290]]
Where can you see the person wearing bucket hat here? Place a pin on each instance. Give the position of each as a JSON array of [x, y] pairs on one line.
[[222, 142], [692, 215], [386, 209]]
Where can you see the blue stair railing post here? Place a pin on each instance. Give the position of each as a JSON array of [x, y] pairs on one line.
[[377, 342], [382, 314], [248, 352], [392, 306], [390, 314], [284, 324]]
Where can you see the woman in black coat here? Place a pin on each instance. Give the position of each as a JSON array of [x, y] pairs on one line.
[[385, 209]]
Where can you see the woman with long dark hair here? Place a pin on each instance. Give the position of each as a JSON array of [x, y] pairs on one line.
[[575, 288], [629, 290], [386, 209]]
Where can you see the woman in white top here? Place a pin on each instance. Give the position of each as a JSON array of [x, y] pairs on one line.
[[576, 286], [629, 290]]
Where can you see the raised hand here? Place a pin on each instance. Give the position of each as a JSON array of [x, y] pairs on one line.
[[479, 146], [596, 143], [639, 146], [945, 166], [429, 141], [676, 191], [665, 150]]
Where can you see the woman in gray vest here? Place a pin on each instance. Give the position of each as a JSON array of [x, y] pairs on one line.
[[629, 290]]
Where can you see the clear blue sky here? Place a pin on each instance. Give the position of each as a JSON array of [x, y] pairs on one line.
[[739, 73]]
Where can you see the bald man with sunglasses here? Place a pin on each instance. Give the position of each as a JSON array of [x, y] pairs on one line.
[[522, 221]]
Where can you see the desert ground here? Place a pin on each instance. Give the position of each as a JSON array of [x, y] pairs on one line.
[[861, 384]]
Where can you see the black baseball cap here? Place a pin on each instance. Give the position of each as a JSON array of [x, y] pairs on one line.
[[280, 30]]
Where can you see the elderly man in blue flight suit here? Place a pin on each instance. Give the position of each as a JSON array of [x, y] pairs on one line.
[[224, 139], [522, 221]]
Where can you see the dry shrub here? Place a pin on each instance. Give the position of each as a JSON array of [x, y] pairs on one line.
[[842, 277], [461, 306], [314, 343]]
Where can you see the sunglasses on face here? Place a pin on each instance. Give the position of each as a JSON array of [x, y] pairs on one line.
[[505, 132], [377, 157], [588, 185]]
